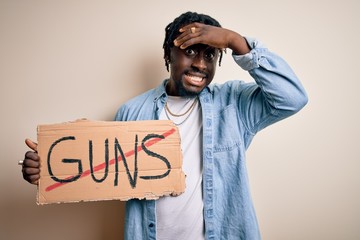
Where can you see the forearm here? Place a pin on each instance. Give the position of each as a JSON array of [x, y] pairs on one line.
[[237, 43]]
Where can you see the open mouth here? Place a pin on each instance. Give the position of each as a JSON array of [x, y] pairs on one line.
[[194, 78]]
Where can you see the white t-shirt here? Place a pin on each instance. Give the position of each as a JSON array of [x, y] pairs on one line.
[[181, 217]]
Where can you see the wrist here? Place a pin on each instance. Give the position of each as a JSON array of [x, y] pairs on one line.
[[238, 44]]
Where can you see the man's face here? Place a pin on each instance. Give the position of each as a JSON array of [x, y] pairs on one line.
[[191, 69]]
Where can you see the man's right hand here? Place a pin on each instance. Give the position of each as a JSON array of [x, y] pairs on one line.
[[31, 164]]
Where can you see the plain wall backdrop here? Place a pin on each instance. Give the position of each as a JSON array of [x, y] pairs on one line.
[[64, 60]]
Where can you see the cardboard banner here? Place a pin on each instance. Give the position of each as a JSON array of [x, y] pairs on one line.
[[93, 160]]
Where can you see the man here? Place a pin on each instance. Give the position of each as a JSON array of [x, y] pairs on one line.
[[217, 123]]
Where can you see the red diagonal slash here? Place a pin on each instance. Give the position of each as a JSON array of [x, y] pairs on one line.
[[112, 161]]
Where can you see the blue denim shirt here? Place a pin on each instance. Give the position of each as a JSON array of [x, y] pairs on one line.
[[233, 113]]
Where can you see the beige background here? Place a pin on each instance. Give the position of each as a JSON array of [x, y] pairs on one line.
[[63, 60]]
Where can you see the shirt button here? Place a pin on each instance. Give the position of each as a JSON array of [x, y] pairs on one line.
[[208, 154], [151, 225]]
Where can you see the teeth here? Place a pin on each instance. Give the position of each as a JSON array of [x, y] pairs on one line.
[[195, 78]]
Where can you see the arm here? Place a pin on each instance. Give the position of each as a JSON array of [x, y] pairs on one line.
[[278, 92]]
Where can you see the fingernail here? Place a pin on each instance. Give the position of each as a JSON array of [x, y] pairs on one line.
[[175, 42]]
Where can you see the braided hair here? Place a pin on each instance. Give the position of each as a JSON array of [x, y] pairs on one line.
[[172, 30]]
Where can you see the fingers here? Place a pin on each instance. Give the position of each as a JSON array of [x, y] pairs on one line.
[[189, 36], [31, 178], [191, 28], [31, 159], [32, 175], [31, 144], [31, 164], [31, 171]]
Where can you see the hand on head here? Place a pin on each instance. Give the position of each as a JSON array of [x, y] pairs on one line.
[[217, 37]]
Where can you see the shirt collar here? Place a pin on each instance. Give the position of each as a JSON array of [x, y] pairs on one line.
[[160, 91]]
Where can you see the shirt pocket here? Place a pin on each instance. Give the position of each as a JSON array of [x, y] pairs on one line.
[[227, 130]]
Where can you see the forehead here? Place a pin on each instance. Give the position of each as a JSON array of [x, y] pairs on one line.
[[198, 47], [202, 47]]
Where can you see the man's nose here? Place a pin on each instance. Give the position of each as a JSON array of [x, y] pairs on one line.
[[199, 63]]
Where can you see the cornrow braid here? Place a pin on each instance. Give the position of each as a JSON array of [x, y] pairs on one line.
[[172, 31]]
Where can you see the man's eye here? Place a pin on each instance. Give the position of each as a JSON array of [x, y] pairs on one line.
[[190, 52], [210, 56]]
